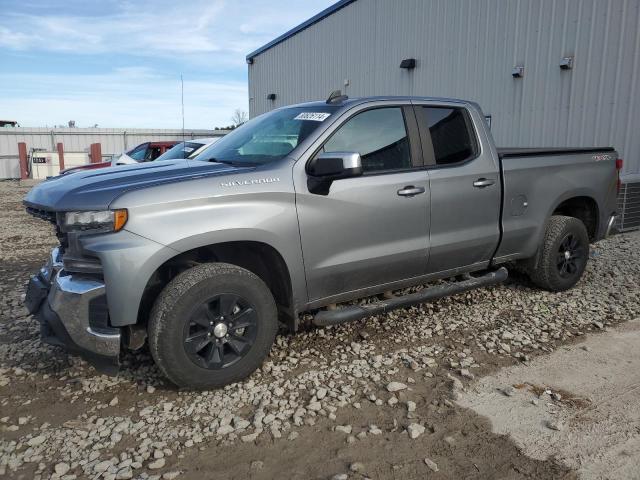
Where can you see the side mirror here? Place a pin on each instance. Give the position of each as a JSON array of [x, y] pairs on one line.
[[335, 165]]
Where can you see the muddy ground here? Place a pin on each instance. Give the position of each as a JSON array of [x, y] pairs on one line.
[[60, 419]]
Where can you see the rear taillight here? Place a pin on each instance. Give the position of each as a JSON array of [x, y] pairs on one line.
[[619, 164]]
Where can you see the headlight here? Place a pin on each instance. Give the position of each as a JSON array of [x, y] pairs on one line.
[[94, 220]]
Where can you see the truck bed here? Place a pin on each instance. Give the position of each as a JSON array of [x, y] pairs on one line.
[[535, 183]]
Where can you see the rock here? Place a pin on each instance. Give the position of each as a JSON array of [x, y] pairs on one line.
[[415, 430], [555, 425], [102, 466], [396, 387], [343, 428], [411, 406], [113, 402], [171, 475], [464, 372], [340, 476], [321, 393], [431, 464], [357, 467], [62, 468], [158, 454], [124, 474], [257, 465], [225, 430], [293, 435], [374, 430], [157, 464], [151, 389], [35, 441], [509, 391], [599, 325], [556, 396], [250, 438]]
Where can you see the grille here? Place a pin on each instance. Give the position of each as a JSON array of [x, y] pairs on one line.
[[629, 206], [51, 218], [42, 214]]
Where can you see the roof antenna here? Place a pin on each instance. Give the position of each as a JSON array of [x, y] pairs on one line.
[[184, 152], [336, 97]]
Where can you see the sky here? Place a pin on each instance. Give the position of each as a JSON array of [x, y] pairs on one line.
[[117, 63]]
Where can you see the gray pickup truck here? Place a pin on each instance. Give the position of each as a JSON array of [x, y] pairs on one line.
[[303, 209]]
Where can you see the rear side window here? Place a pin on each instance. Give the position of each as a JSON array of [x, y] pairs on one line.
[[378, 135], [451, 136]]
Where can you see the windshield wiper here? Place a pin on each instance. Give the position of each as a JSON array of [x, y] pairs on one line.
[[233, 163]]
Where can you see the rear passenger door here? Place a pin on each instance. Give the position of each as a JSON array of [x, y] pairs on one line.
[[465, 189]]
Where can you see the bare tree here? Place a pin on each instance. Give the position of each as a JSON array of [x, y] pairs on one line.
[[239, 117]]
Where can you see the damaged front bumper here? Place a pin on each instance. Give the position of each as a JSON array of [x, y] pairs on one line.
[[64, 303]]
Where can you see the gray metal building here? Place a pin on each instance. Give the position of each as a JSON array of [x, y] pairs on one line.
[[469, 49]]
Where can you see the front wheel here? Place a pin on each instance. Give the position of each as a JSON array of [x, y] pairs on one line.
[[212, 325], [563, 254]]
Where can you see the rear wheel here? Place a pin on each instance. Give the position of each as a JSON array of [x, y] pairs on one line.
[[212, 325], [563, 255]]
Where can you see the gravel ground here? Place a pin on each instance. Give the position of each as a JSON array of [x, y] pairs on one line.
[[371, 399]]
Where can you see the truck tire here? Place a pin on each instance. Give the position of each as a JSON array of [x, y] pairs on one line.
[[212, 325], [563, 254]]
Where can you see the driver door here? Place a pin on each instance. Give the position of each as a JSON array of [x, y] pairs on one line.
[[371, 230]]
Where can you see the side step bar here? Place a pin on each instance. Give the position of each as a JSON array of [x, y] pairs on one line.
[[356, 312]]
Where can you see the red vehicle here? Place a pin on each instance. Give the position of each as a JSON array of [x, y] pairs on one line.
[[145, 152]]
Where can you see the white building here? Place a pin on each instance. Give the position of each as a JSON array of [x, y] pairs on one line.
[[114, 141]]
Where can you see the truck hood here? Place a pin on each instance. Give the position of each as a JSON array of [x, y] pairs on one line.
[[97, 189]]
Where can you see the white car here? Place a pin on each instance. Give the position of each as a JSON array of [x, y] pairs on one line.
[[188, 149]]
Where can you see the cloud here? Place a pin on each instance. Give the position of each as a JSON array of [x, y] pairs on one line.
[[123, 98], [118, 62], [161, 28]]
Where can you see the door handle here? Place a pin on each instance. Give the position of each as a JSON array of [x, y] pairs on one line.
[[483, 182], [410, 191]]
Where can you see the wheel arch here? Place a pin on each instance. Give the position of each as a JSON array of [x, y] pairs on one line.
[[260, 258], [584, 208]]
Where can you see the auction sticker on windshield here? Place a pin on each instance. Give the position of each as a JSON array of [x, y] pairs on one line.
[[315, 116]]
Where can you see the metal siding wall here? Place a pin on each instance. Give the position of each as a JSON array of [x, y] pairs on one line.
[[466, 49], [79, 139]]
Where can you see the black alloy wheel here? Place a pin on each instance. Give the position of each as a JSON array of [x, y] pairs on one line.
[[571, 255], [220, 331]]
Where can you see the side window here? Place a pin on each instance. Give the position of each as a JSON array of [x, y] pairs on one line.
[[139, 152], [452, 140], [152, 154], [378, 135]]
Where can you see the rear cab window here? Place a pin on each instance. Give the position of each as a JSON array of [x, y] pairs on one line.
[[452, 134]]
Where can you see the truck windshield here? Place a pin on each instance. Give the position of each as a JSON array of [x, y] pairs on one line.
[[269, 137]]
